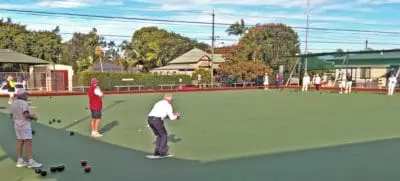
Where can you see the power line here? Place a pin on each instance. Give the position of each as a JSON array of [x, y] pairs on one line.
[[227, 39], [181, 21], [155, 9], [108, 17]]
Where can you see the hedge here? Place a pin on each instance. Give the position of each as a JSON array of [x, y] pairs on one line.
[[107, 80]]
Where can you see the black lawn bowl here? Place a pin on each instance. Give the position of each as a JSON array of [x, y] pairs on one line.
[[53, 169], [43, 173], [60, 168]]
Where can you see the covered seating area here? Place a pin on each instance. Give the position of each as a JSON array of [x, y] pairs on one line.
[[16, 61], [368, 69]]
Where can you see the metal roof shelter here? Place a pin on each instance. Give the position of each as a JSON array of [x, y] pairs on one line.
[[335, 60], [195, 55], [321, 61], [9, 56]]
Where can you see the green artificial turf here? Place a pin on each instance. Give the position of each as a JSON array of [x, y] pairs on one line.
[[219, 133]]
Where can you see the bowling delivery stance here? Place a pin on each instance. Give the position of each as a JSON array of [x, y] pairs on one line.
[[156, 120]]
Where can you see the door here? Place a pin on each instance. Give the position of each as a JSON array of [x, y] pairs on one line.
[[60, 82]]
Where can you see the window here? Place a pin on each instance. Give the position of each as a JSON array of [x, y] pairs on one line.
[[365, 73]]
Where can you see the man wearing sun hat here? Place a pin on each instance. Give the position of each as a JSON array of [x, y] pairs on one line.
[[96, 105], [22, 117]]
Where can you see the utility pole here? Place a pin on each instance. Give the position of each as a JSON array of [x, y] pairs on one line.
[[366, 44], [212, 50], [307, 31]]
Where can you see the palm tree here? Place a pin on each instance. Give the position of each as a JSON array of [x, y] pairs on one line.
[[238, 28], [99, 52]]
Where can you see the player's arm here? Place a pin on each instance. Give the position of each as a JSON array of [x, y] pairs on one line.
[[27, 113], [171, 115], [98, 92]]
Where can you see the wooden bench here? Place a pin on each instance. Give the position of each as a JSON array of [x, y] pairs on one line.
[[216, 84], [129, 87], [82, 88], [168, 85], [244, 84]]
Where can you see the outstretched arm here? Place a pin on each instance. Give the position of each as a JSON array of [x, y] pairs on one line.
[[171, 115]]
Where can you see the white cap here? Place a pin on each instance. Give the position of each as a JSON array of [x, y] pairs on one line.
[[21, 91]]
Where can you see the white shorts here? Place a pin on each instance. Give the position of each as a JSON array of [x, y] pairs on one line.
[[11, 94], [349, 84], [23, 134], [343, 84], [266, 83]]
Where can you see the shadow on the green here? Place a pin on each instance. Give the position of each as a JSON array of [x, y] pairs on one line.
[[371, 161], [108, 127], [115, 103]]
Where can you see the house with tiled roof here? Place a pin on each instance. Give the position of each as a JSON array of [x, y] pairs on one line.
[[190, 61]]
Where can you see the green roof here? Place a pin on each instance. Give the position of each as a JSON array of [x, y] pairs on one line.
[[356, 58], [9, 56], [370, 52], [194, 56], [318, 63]]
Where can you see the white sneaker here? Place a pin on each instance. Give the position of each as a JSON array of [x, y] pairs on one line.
[[34, 164], [21, 163], [96, 134]]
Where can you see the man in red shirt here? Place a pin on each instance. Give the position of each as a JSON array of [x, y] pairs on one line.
[[96, 105]]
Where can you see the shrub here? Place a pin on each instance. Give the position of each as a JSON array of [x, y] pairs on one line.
[[107, 80]]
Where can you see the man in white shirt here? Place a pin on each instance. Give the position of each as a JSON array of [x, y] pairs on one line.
[[317, 82], [199, 80], [22, 117], [342, 84], [266, 81], [349, 83], [157, 116], [306, 82], [392, 84]]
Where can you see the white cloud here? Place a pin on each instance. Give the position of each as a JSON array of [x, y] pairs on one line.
[[14, 6], [378, 1], [342, 7], [63, 3], [76, 3], [283, 3]]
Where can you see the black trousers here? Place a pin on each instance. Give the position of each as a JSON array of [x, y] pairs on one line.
[[157, 125]]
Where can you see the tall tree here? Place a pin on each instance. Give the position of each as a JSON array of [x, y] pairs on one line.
[[153, 47], [269, 43], [99, 53], [45, 45], [238, 28], [81, 46]]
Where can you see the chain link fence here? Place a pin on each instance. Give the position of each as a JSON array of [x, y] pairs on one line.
[[50, 81]]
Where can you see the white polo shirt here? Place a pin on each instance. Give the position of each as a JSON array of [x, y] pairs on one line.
[[392, 80], [306, 79], [317, 80], [162, 109]]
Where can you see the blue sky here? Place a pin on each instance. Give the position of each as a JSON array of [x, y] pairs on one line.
[[372, 15]]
